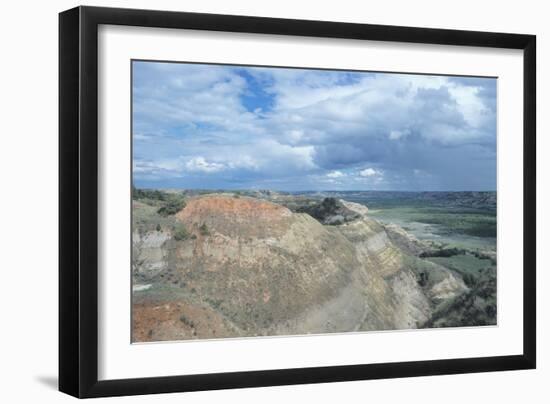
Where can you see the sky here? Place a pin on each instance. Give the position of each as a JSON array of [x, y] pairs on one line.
[[200, 126]]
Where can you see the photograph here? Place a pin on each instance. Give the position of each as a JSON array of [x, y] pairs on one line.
[[285, 201]]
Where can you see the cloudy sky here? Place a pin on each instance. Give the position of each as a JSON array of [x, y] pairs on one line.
[[207, 126]]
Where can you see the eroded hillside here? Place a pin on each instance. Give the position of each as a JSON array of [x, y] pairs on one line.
[[230, 265]]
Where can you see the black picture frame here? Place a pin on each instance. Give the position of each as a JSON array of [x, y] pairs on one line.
[[78, 201]]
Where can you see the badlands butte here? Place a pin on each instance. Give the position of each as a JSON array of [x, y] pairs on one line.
[[260, 263]]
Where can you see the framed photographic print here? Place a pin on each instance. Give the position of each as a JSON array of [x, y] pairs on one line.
[[250, 201]]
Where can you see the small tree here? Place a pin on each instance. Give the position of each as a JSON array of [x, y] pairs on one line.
[[158, 227], [204, 230], [423, 279]]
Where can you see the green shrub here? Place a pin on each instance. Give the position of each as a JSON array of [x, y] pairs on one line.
[[204, 230], [469, 279], [171, 207], [423, 280], [153, 194], [158, 228], [187, 321], [180, 232], [443, 252]]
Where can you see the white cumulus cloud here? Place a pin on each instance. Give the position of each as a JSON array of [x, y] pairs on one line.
[[201, 164], [370, 172], [335, 174]]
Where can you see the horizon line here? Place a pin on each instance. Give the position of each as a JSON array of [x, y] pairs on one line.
[[305, 190]]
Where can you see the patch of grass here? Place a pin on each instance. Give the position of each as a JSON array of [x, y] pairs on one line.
[[171, 207], [204, 230], [167, 203], [463, 264], [471, 222], [180, 232], [187, 321], [427, 272], [146, 219], [215, 303], [151, 194]]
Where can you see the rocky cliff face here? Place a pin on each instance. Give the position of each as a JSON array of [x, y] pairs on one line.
[[249, 267]]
